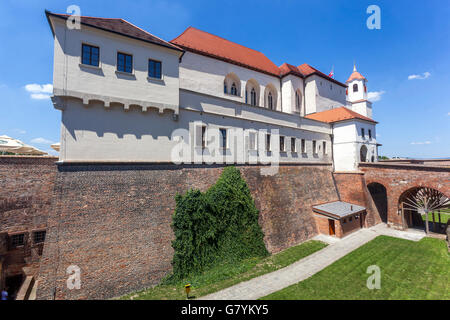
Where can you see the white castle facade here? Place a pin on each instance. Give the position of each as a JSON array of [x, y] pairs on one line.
[[128, 96]]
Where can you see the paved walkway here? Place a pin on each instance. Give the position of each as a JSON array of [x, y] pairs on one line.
[[308, 266]]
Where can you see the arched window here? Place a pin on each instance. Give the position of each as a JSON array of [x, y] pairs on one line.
[[253, 97], [298, 101], [234, 89], [355, 87], [270, 101], [232, 84], [363, 154]]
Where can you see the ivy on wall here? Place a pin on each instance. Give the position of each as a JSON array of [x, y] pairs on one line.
[[217, 226]]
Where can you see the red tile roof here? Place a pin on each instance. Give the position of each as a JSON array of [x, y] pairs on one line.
[[205, 43], [119, 26], [356, 75], [336, 115]]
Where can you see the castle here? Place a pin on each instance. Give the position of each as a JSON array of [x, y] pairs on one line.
[[144, 119], [124, 93]]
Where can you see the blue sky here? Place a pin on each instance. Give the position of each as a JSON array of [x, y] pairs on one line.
[[413, 112]]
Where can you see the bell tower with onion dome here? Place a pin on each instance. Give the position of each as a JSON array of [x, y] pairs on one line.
[[357, 94]]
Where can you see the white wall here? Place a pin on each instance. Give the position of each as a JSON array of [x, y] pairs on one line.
[[71, 78], [290, 84], [206, 75], [347, 143], [360, 94], [322, 95], [96, 133]]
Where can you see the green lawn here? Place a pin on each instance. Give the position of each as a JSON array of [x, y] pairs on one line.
[[224, 276], [444, 217], [409, 270]]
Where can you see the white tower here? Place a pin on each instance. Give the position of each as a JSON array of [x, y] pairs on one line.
[[357, 94]]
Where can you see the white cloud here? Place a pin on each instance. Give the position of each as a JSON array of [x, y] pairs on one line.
[[425, 142], [39, 92], [424, 75], [448, 114], [375, 95], [41, 141]]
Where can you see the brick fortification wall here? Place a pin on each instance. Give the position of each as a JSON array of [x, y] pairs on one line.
[[26, 185], [113, 221], [352, 188]]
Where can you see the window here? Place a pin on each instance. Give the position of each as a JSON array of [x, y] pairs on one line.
[[39, 236], [223, 138], [246, 97], [350, 219], [303, 146], [234, 89], [314, 147], [90, 55], [370, 134], [225, 89], [124, 62], [270, 101], [203, 137], [355, 87], [17, 240], [363, 133], [282, 148], [331, 87], [293, 146], [268, 142], [344, 221], [252, 140], [297, 101], [154, 69], [324, 144], [253, 97]]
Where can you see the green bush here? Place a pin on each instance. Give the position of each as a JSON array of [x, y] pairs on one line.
[[218, 226]]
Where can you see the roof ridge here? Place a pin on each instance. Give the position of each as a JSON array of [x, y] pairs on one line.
[[151, 34], [214, 35]]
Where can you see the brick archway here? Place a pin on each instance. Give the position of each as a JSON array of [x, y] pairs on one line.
[[398, 178], [378, 193], [412, 218]]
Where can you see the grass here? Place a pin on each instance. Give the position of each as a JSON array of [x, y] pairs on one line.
[[409, 270], [226, 275], [444, 217]]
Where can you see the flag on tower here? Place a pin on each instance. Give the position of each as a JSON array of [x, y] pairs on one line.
[[331, 74]]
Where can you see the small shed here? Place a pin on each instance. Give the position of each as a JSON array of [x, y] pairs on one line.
[[339, 218]]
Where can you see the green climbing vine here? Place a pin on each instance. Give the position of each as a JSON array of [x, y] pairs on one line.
[[217, 226]]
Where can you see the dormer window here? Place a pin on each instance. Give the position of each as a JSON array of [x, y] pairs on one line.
[[355, 87]]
